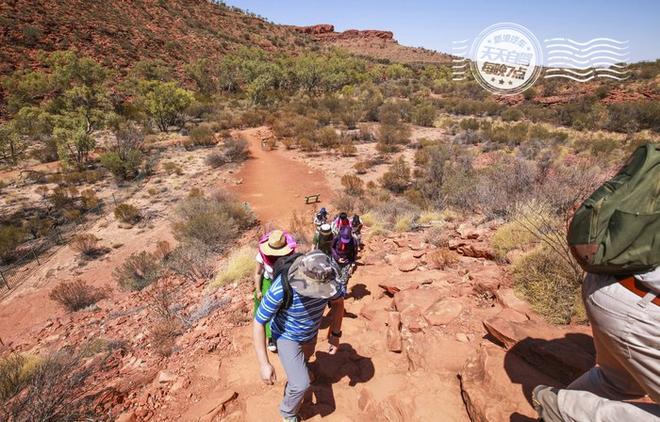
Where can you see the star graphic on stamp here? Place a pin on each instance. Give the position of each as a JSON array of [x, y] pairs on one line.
[[501, 82]]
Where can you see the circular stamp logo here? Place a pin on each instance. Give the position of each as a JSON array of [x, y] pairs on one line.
[[506, 58]]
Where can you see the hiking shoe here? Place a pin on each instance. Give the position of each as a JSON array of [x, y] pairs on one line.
[[272, 346], [544, 400], [291, 419]]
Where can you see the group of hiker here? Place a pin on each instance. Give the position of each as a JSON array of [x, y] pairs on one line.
[[339, 240], [614, 236]]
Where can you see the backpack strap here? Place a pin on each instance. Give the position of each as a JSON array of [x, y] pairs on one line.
[[281, 270]]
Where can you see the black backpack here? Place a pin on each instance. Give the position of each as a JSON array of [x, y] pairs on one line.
[[281, 268]]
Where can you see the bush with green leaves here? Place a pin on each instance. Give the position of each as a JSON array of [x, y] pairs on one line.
[[424, 114], [215, 221], [164, 102]]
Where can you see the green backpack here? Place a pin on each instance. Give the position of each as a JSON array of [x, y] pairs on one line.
[[617, 229]]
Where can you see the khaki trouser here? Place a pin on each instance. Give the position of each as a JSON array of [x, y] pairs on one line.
[[626, 333]]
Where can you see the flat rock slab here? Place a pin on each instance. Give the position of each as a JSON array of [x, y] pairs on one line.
[[496, 385]]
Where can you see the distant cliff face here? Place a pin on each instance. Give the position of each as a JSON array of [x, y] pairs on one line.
[[372, 43], [327, 32]]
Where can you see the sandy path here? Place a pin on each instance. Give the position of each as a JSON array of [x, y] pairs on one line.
[[274, 185]]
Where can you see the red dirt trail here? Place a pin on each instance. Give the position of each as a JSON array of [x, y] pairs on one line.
[[276, 186]]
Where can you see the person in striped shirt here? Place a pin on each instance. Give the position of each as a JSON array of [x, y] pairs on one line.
[[294, 306]]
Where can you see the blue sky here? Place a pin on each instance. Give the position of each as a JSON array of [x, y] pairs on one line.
[[434, 24]]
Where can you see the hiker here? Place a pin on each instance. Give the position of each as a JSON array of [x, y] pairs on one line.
[[344, 253], [340, 222], [321, 218], [356, 226], [323, 239], [272, 246], [293, 307], [614, 236]]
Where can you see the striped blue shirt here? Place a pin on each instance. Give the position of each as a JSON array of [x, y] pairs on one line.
[[301, 321]]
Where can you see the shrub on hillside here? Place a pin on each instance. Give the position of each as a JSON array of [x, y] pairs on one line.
[[215, 221], [361, 167], [138, 271], [510, 236], [50, 389], [239, 267], [85, 244], [193, 260], [202, 135], [76, 295], [326, 137], [442, 258], [127, 213], [424, 114], [122, 167], [216, 159], [352, 184], [397, 177], [549, 284], [236, 150], [511, 115], [10, 238]]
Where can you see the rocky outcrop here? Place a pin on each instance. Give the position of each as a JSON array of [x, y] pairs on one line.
[[323, 28], [327, 32]]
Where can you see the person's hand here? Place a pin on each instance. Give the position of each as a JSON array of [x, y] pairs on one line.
[[268, 374], [334, 344], [258, 294]]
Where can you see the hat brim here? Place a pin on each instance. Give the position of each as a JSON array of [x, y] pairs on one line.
[[266, 249], [309, 287]]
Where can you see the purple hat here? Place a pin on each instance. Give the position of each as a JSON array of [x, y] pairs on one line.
[[345, 237]]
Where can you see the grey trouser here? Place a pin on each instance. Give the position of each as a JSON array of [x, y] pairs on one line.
[[626, 333], [294, 357]]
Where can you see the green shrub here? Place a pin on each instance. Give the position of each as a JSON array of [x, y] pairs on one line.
[[424, 114], [214, 221], [124, 167], [127, 213], [549, 284], [397, 177], [138, 271], [76, 295]]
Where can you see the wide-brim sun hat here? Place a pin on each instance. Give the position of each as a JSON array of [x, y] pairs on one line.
[[326, 228], [314, 275], [276, 245]]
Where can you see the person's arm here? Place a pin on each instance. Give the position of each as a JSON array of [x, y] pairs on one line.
[[266, 370], [258, 273], [336, 317]]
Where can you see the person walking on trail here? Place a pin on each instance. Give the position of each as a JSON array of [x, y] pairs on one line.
[[320, 218], [625, 319], [615, 237], [272, 246], [294, 306], [323, 239], [356, 226], [344, 253], [340, 222]]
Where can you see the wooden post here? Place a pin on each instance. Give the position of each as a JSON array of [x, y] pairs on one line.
[[5, 280], [34, 255]]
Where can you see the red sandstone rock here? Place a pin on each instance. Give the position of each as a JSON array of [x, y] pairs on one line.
[[443, 312], [394, 332]]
